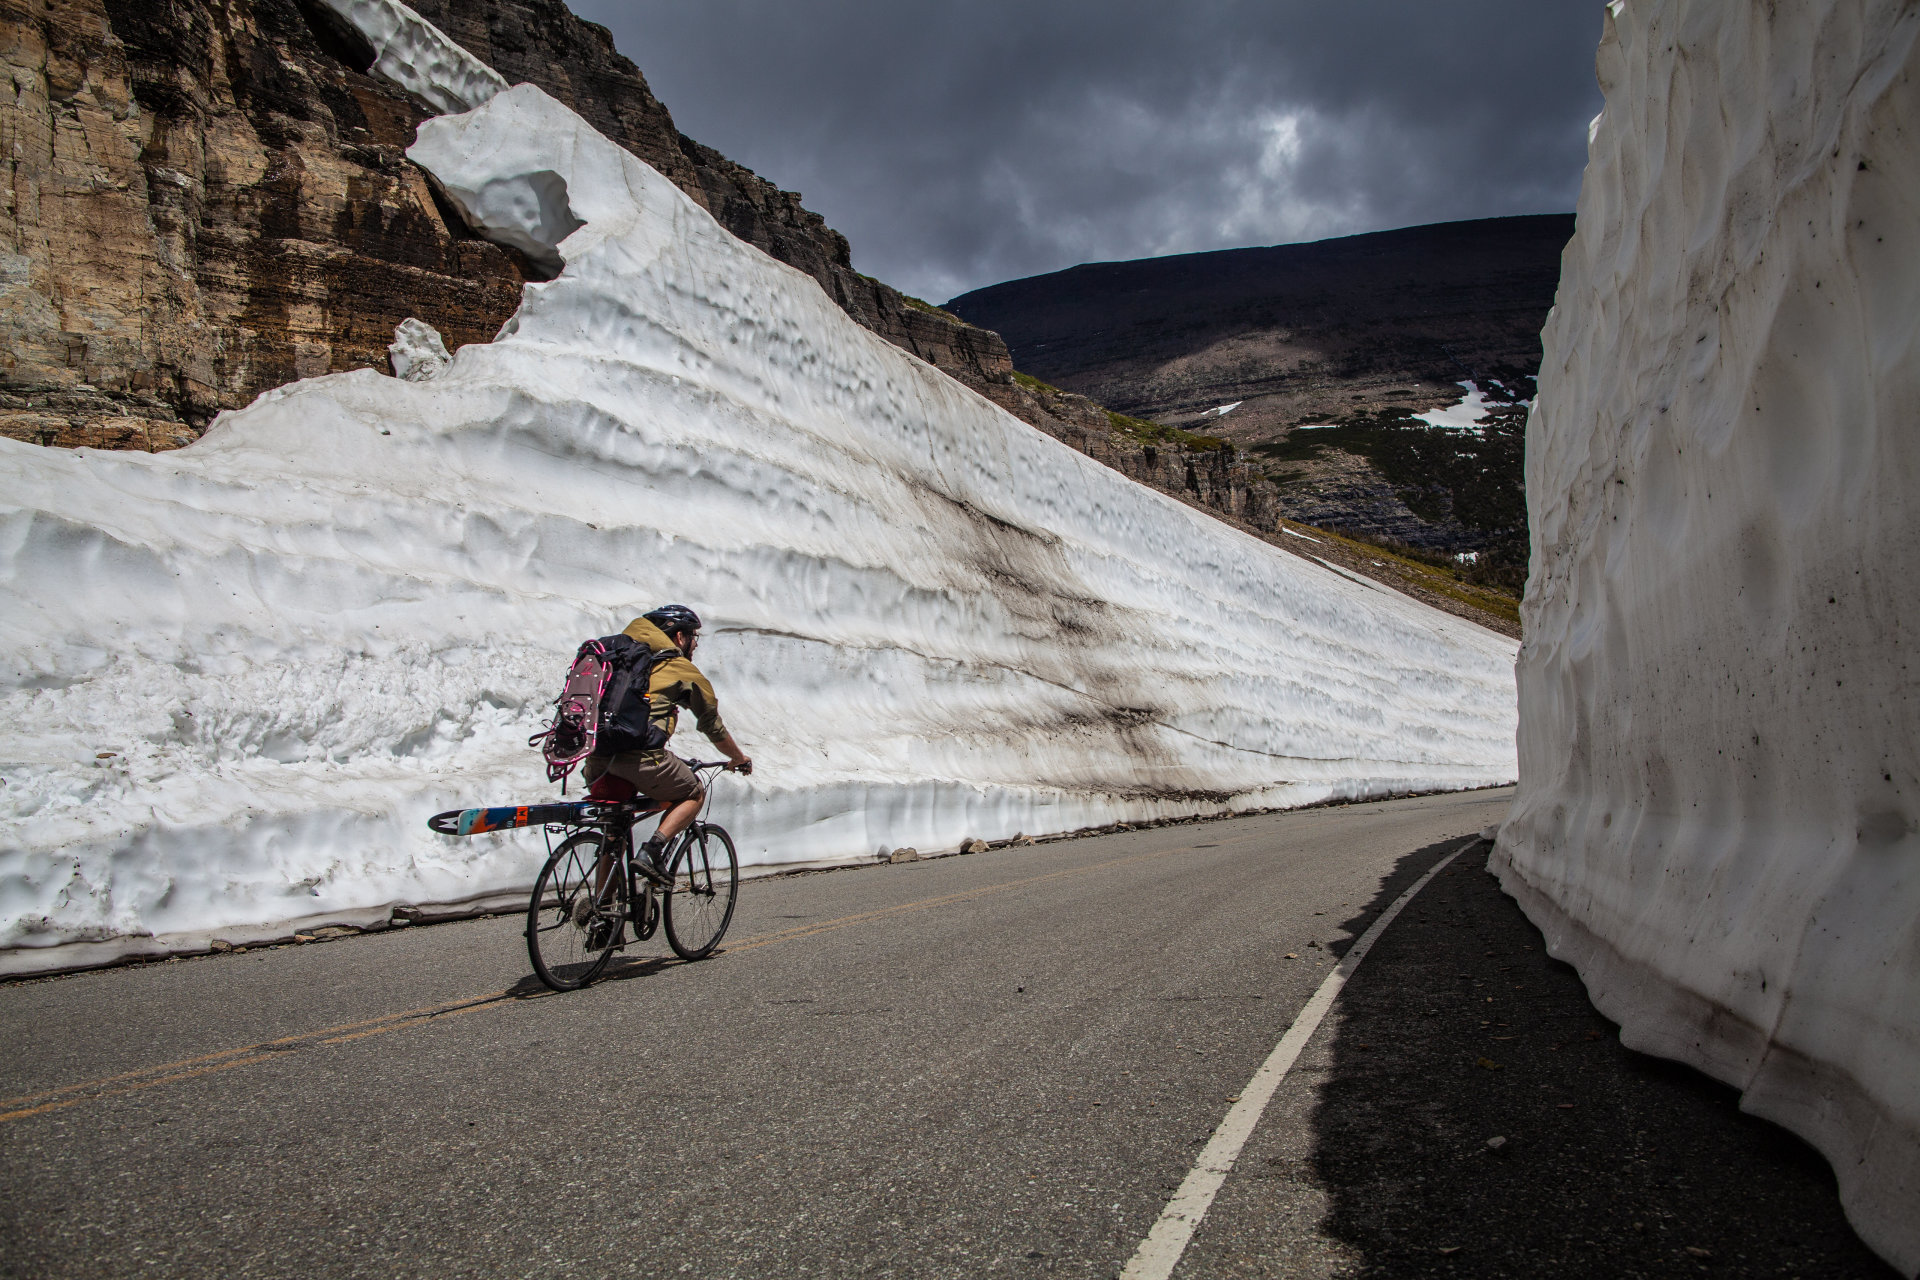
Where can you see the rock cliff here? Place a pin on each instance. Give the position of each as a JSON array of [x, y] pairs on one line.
[[206, 202]]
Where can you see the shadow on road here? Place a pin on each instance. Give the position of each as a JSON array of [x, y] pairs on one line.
[[619, 969], [1481, 1119]]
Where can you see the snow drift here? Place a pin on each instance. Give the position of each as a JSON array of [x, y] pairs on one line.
[[240, 676], [1719, 777]]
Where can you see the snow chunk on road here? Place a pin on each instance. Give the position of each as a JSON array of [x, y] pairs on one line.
[[241, 675], [1719, 813]]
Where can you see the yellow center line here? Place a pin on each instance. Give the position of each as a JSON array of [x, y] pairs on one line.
[[266, 1050], [427, 1011], [132, 1088]]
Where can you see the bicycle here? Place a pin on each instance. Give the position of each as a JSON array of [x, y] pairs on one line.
[[589, 891]]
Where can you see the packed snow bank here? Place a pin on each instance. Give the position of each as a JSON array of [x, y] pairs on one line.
[[418, 56], [1720, 783], [240, 676]]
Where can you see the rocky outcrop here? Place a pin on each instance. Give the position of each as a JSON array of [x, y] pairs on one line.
[[204, 203]]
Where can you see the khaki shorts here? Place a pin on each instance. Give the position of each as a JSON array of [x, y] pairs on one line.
[[660, 775]]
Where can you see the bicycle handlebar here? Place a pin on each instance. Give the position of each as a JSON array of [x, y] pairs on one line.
[[698, 765]]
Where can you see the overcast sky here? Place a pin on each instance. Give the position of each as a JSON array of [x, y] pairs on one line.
[[959, 145]]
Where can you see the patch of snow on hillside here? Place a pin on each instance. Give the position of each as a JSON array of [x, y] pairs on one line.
[[240, 676], [1223, 410], [1465, 416], [1719, 814]]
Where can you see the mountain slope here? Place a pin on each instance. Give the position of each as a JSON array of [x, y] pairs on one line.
[[1297, 332]]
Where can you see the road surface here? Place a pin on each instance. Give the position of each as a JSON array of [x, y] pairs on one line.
[[999, 1064]]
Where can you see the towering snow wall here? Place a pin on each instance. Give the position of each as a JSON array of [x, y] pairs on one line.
[[240, 676], [1719, 777]]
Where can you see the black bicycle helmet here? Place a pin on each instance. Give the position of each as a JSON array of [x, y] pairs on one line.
[[674, 618]]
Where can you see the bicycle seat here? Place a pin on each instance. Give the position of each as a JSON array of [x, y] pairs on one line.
[[608, 789]]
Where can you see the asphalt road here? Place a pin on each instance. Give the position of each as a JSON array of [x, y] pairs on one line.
[[993, 1064]]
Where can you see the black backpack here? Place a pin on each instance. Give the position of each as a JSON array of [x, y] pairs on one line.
[[603, 708]]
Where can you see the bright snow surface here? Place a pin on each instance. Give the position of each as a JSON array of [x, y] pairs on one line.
[[1465, 416], [1718, 805], [348, 605]]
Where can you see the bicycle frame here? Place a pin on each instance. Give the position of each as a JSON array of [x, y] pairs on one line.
[[617, 820]]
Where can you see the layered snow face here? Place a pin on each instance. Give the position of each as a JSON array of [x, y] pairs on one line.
[[1720, 787], [241, 675]]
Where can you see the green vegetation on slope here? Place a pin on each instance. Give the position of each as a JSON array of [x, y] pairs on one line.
[[1144, 432], [1437, 573], [1474, 477]]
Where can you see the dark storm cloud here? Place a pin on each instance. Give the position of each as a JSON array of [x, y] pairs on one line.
[[961, 145]]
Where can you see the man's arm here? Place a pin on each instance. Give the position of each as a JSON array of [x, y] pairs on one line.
[[705, 705], [742, 762]]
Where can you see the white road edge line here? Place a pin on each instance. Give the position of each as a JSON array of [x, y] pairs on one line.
[[1160, 1252]]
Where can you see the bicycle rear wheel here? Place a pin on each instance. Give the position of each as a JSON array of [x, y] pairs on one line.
[[706, 878], [568, 933]]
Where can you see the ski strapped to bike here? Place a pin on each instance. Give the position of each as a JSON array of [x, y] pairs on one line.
[[473, 822]]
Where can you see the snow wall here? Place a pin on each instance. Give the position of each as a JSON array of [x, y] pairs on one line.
[[240, 676], [1719, 778]]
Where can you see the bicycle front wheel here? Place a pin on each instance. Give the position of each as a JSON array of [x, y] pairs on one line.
[[568, 932], [699, 906]]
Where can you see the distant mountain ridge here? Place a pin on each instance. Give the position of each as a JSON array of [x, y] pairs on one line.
[[1362, 332], [1295, 332]]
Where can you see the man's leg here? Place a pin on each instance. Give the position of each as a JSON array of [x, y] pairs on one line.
[[679, 816], [664, 778], [590, 772]]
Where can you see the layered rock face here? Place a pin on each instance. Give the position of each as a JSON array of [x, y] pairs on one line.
[[1718, 819], [206, 203]]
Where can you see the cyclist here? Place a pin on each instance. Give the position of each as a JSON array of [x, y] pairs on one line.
[[660, 775]]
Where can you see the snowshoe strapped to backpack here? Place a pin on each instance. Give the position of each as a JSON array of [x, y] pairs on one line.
[[604, 707]]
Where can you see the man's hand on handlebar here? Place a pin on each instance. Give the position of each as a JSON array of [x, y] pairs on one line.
[[742, 762]]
